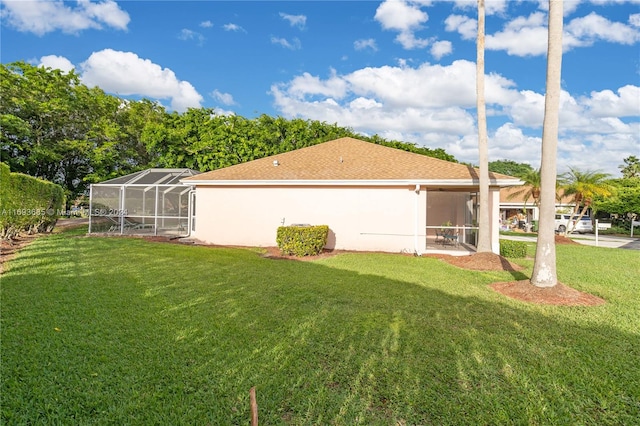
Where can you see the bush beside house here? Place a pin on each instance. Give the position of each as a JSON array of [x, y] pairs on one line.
[[302, 240]]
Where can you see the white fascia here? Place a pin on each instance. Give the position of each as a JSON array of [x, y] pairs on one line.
[[358, 182]]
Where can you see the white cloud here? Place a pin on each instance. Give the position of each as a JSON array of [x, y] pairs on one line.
[[364, 103], [509, 142], [434, 105], [527, 109], [41, 17], [307, 85], [409, 41], [363, 44], [223, 112], [108, 12], [291, 45], [56, 62], [430, 99], [441, 48], [593, 27], [233, 27], [609, 149], [465, 26], [608, 104], [427, 86], [491, 7], [527, 36], [569, 6], [206, 24], [187, 34], [406, 17], [124, 73], [399, 15], [523, 36], [295, 20], [223, 98]]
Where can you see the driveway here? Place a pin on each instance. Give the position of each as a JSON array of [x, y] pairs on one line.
[[608, 241], [590, 240]]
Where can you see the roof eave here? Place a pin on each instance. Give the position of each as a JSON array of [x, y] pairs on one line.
[[354, 182]]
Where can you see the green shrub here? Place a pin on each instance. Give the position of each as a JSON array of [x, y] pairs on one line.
[[510, 248], [27, 203], [302, 240]]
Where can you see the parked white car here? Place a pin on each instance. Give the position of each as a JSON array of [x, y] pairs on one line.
[[581, 226]]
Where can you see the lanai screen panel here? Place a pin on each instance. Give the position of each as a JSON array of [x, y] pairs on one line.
[[151, 202]]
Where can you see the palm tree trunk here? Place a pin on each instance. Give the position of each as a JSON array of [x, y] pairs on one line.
[[544, 268], [484, 222], [574, 215]]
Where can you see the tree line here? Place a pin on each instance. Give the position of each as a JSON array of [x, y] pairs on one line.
[[54, 127]]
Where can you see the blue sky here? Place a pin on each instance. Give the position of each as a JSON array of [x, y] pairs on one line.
[[402, 69]]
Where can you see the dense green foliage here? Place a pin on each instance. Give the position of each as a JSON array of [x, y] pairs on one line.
[[510, 168], [126, 331], [54, 127], [624, 202], [513, 249], [57, 129], [302, 240], [27, 203]]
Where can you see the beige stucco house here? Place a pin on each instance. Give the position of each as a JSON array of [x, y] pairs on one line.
[[372, 197]]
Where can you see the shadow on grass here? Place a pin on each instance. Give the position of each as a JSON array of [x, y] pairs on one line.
[[160, 333]]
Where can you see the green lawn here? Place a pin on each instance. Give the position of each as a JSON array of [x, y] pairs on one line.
[[125, 331]]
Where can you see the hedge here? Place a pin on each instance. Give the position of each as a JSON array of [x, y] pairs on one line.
[[511, 248], [302, 240], [27, 203]]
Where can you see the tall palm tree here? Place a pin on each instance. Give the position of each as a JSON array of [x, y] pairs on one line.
[[531, 187], [584, 186], [484, 223], [544, 267]]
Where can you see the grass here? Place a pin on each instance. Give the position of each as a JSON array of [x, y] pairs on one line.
[[125, 331], [519, 233]]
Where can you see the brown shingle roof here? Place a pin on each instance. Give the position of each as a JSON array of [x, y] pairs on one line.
[[508, 195], [345, 159]]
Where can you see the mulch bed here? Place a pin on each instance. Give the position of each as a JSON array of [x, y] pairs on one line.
[[561, 239], [479, 262], [559, 294]]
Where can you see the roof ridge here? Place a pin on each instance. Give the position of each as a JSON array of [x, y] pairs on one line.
[[345, 159]]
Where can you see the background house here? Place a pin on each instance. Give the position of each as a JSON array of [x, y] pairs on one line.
[[516, 204], [372, 197]]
